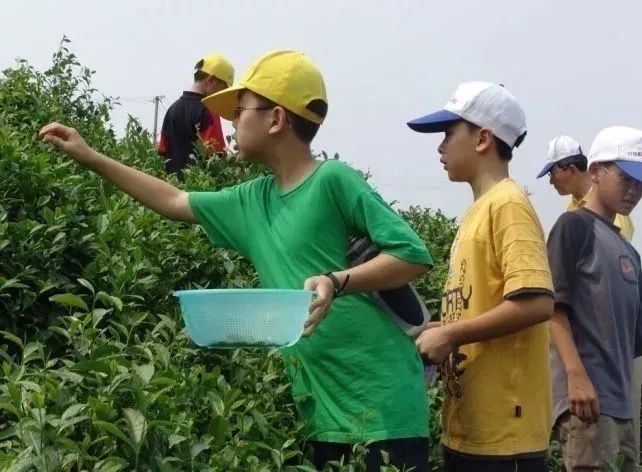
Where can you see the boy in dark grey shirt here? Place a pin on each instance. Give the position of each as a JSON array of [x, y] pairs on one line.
[[597, 326]]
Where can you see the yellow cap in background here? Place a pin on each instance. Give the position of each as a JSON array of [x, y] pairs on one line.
[[218, 66]]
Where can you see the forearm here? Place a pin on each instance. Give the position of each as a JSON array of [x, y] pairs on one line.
[[152, 192], [383, 272], [564, 343], [509, 317]]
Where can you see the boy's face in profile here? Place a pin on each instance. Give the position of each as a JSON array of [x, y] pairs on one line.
[[252, 122], [457, 152]]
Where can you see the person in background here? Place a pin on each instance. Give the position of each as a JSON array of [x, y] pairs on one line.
[[567, 168], [597, 325], [187, 120]]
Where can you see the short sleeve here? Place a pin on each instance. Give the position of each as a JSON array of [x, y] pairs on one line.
[[388, 230], [566, 242], [520, 249], [367, 214], [223, 215]]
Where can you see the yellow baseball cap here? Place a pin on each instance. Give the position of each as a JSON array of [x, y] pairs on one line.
[[218, 66], [288, 78]]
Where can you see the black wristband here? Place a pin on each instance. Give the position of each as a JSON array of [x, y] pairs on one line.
[[338, 287]]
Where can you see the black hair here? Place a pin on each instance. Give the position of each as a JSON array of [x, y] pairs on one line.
[[303, 128], [199, 74], [504, 151], [579, 160]]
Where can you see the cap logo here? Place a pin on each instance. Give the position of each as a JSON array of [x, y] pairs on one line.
[[453, 100], [635, 153]]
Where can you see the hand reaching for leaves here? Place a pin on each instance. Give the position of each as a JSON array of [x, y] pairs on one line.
[[69, 141]]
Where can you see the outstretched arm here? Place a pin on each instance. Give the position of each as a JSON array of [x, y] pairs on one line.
[[152, 192]]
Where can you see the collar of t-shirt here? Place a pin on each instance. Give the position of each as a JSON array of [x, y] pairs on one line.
[[188, 94], [610, 224]]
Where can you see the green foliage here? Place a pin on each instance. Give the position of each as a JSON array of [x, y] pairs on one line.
[[438, 231], [96, 370]]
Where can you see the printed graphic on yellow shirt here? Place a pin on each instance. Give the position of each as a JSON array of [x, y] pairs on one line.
[[455, 301]]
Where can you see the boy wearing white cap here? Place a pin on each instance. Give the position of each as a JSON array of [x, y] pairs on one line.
[[597, 326], [494, 340], [567, 170]]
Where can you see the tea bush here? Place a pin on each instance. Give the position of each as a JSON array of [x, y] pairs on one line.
[[97, 372]]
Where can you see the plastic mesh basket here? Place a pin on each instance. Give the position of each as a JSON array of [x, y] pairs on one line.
[[244, 317]]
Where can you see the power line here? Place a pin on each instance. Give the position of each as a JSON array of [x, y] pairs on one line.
[[134, 99]]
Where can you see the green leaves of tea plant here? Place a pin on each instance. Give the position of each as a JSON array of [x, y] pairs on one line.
[[69, 300], [96, 371]]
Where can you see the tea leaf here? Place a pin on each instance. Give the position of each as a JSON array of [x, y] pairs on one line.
[[70, 300]]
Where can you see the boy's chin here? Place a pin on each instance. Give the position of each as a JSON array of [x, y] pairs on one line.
[[252, 157], [625, 209]]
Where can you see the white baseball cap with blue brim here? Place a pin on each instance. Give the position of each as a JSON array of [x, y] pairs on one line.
[[621, 145], [483, 104], [559, 149]]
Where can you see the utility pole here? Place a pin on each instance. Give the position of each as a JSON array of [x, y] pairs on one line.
[[157, 99]]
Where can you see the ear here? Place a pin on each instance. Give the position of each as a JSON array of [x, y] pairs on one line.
[[594, 171], [279, 120], [484, 140]]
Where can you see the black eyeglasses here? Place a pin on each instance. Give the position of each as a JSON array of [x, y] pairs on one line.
[[237, 111]]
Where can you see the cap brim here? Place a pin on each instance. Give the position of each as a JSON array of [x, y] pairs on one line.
[[633, 169], [435, 122], [224, 102], [545, 170]]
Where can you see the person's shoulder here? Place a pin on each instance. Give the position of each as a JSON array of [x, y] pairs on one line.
[[335, 172], [573, 220], [337, 167], [172, 108], [255, 186], [180, 105], [508, 191], [508, 198], [262, 182]]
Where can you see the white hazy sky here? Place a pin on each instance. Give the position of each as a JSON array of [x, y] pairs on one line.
[[573, 64]]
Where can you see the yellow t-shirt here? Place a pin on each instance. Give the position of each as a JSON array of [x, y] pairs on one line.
[[621, 221], [498, 393]]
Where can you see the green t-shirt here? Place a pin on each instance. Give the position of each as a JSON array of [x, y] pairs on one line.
[[358, 377]]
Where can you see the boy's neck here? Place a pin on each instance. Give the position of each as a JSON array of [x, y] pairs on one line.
[[292, 166], [594, 204], [488, 176], [582, 186], [198, 87]]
